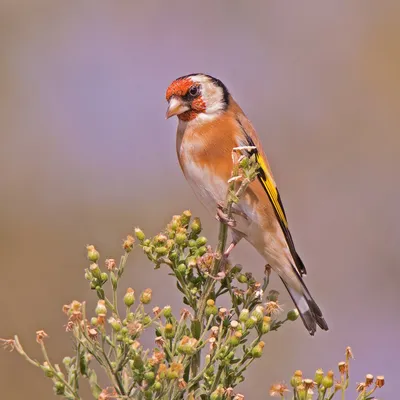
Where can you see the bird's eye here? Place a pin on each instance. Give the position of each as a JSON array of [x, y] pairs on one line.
[[194, 91]]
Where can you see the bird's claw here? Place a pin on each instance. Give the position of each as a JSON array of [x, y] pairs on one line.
[[221, 216]]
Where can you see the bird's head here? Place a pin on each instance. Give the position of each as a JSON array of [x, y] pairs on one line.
[[196, 95]]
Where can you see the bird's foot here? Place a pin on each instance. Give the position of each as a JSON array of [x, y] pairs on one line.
[[223, 217]]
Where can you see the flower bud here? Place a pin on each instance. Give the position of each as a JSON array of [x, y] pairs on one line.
[[146, 320], [251, 322], [185, 217], [115, 324], [48, 372], [191, 262], [145, 297], [201, 241], [242, 278], [149, 377], [169, 331], [235, 338], [181, 239], [236, 269], [319, 374], [202, 250], [59, 388], [258, 313], [297, 378], [327, 381], [104, 277], [67, 361], [292, 315], [273, 295], [129, 298], [244, 315], [257, 350], [161, 251], [167, 311], [101, 307], [196, 226], [266, 325], [95, 271], [92, 254], [211, 308], [218, 393], [139, 234], [181, 268]]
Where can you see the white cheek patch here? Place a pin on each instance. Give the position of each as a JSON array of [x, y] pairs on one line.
[[212, 94]]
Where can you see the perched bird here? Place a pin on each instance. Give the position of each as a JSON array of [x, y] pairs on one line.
[[210, 125]]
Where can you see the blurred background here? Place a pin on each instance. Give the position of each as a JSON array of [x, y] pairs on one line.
[[86, 155]]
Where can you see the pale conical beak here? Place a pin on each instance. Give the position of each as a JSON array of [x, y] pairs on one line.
[[176, 106]]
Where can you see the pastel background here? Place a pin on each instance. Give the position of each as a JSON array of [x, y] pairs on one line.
[[86, 154]]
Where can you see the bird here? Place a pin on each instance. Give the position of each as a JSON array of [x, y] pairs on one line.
[[210, 125]]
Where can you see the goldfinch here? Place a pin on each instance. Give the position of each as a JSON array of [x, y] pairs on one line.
[[210, 125]]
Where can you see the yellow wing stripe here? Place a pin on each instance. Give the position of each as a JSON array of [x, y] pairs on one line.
[[271, 189]]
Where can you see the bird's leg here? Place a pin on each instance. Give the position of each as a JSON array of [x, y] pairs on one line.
[[231, 247]]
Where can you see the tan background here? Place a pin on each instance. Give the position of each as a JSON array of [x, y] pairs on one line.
[[86, 154]]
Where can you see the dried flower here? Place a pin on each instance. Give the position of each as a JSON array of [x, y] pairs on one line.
[[157, 357], [342, 367], [185, 313], [369, 379], [349, 353], [8, 344], [380, 381], [40, 335], [182, 384], [128, 243], [159, 340], [92, 333], [134, 328], [108, 393], [308, 383], [360, 387], [110, 264], [273, 308], [145, 297], [278, 390], [156, 311]]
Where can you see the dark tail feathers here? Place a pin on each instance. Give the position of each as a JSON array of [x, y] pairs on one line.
[[310, 313]]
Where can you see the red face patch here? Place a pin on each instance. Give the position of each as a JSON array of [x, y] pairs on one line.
[[179, 88]]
